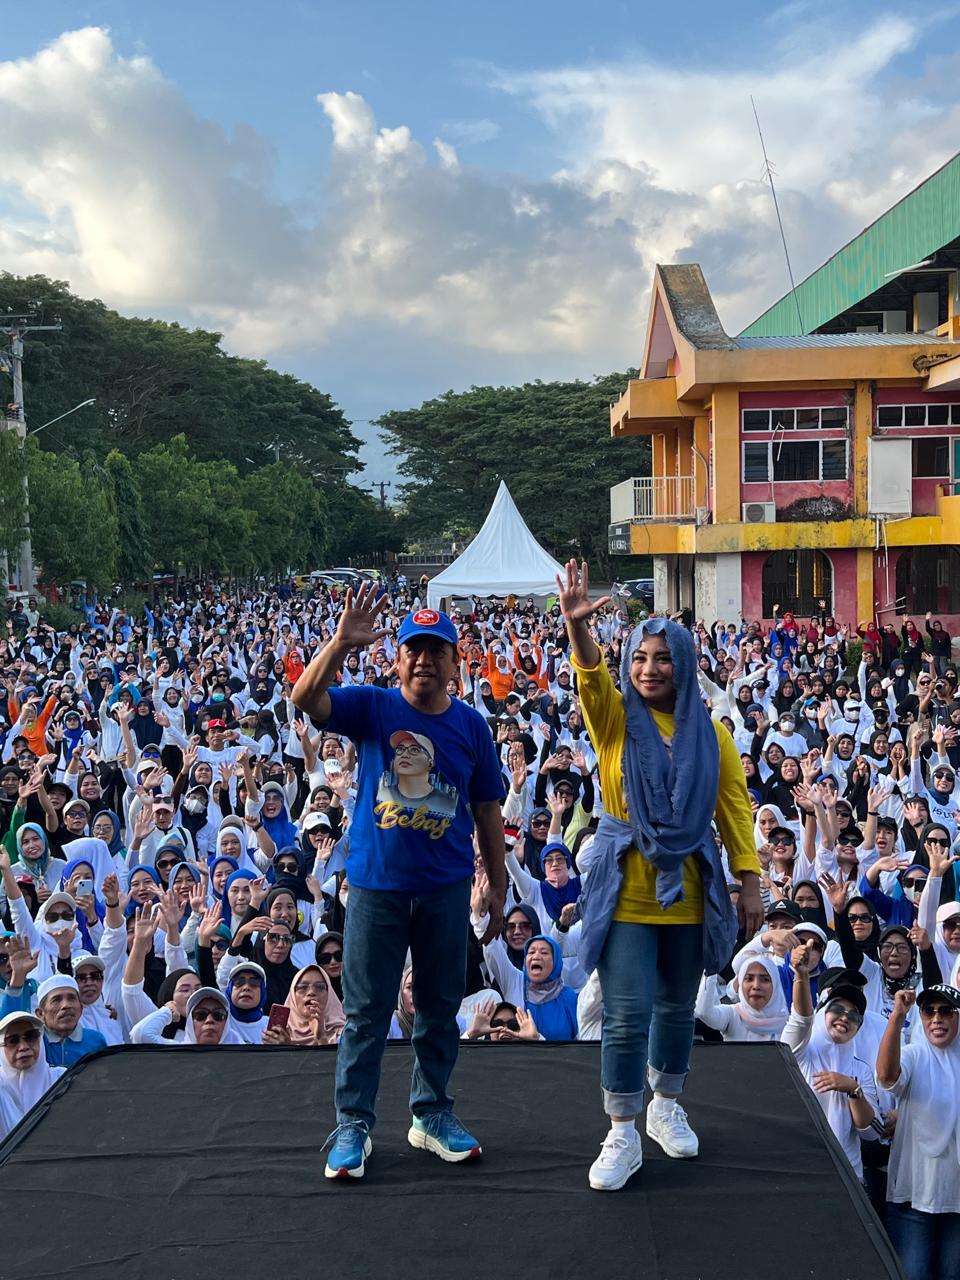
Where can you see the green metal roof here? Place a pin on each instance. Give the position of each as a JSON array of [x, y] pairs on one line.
[[913, 229]]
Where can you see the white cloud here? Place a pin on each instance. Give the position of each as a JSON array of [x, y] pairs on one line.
[[448, 154], [119, 187], [470, 132]]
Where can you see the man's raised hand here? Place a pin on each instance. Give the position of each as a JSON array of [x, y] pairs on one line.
[[357, 627]]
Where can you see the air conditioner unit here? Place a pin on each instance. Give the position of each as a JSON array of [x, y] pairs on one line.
[[759, 512]]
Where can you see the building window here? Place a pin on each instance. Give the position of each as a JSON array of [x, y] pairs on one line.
[[828, 418], [931, 457], [790, 461], [756, 463], [796, 460], [797, 581], [918, 415], [928, 578]]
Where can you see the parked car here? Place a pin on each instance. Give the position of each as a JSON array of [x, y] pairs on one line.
[[635, 589]]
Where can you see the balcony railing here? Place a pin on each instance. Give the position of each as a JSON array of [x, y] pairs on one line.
[[668, 498]]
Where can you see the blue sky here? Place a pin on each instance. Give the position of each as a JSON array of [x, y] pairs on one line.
[[392, 200]]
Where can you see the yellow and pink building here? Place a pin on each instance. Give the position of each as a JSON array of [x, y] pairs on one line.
[[816, 456]]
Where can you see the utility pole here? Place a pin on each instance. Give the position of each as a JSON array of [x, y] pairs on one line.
[[383, 486], [15, 327]]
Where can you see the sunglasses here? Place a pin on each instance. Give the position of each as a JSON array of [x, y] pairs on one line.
[[895, 949], [281, 939], [331, 957], [246, 980], [859, 918], [165, 865], [66, 914], [22, 1037], [209, 1015], [510, 1024], [929, 1011], [844, 1011]]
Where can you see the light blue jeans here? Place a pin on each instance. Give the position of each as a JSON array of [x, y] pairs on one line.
[[649, 974]]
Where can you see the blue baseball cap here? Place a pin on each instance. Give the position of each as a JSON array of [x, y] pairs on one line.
[[427, 622]]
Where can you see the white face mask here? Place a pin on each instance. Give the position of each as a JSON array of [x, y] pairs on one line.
[[343, 895], [58, 926], [194, 804], [787, 727], [851, 711]]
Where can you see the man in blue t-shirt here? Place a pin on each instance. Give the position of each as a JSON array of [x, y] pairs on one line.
[[428, 775]]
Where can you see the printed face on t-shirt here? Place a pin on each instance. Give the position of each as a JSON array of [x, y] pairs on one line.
[[410, 788]]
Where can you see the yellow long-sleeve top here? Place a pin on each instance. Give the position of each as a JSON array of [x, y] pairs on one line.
[[606, 721]]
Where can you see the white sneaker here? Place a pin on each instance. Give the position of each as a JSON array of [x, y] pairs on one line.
[[620, 1157], [670, 1129]]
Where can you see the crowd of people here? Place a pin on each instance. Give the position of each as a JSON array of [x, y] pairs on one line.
[[175, 836]]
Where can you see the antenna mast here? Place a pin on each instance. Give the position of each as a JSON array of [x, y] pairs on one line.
[[768, 176]]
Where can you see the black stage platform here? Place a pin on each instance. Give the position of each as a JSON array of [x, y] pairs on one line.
[[156, 1162]]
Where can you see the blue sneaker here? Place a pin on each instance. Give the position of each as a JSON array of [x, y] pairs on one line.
[[351, 1146], [443, 1134]]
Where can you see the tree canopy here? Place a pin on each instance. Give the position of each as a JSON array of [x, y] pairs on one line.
[[550, 441], [153, 380], [189, 455]]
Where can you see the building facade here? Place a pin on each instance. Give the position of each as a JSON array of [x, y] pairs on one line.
[[819, 469]]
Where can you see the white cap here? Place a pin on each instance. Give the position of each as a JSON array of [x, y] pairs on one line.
[[56, 982]]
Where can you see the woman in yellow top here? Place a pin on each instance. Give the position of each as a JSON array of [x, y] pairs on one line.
[[655, 907]]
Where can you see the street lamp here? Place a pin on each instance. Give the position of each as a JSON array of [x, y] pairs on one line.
[[82, 405]]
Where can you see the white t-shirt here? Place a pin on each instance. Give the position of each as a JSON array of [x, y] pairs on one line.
[[930, 1183]]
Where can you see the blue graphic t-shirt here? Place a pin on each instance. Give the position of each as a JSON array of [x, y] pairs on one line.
[[418, 775]]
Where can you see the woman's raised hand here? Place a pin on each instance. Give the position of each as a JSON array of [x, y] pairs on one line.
[[574, 590]]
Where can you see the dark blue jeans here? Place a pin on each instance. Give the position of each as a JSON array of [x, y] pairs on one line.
[[649, 974], [380, 926], [927, 1244]]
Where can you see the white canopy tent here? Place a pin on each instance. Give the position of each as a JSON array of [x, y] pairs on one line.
[[503, 558]]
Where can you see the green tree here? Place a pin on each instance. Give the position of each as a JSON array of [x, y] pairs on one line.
[[291, 521], [73, 523], [178, 506], [134, 561], [550, 441]]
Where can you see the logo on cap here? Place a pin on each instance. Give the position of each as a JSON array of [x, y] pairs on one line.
[[426, 617]]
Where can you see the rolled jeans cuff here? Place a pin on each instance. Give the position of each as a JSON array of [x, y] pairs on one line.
[[666, 1082], [622, 1104]]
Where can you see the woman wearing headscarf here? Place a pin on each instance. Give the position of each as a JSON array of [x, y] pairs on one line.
[[24, 1074], [760, 1013], [923, 1182], [896, 965], [655, 909], [247, 994], [316, 1014], [330, 959], [558, 887], [34, 859], [822, 1043], [271, 952], [106, 826], [546, 997], [208, 1020]]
